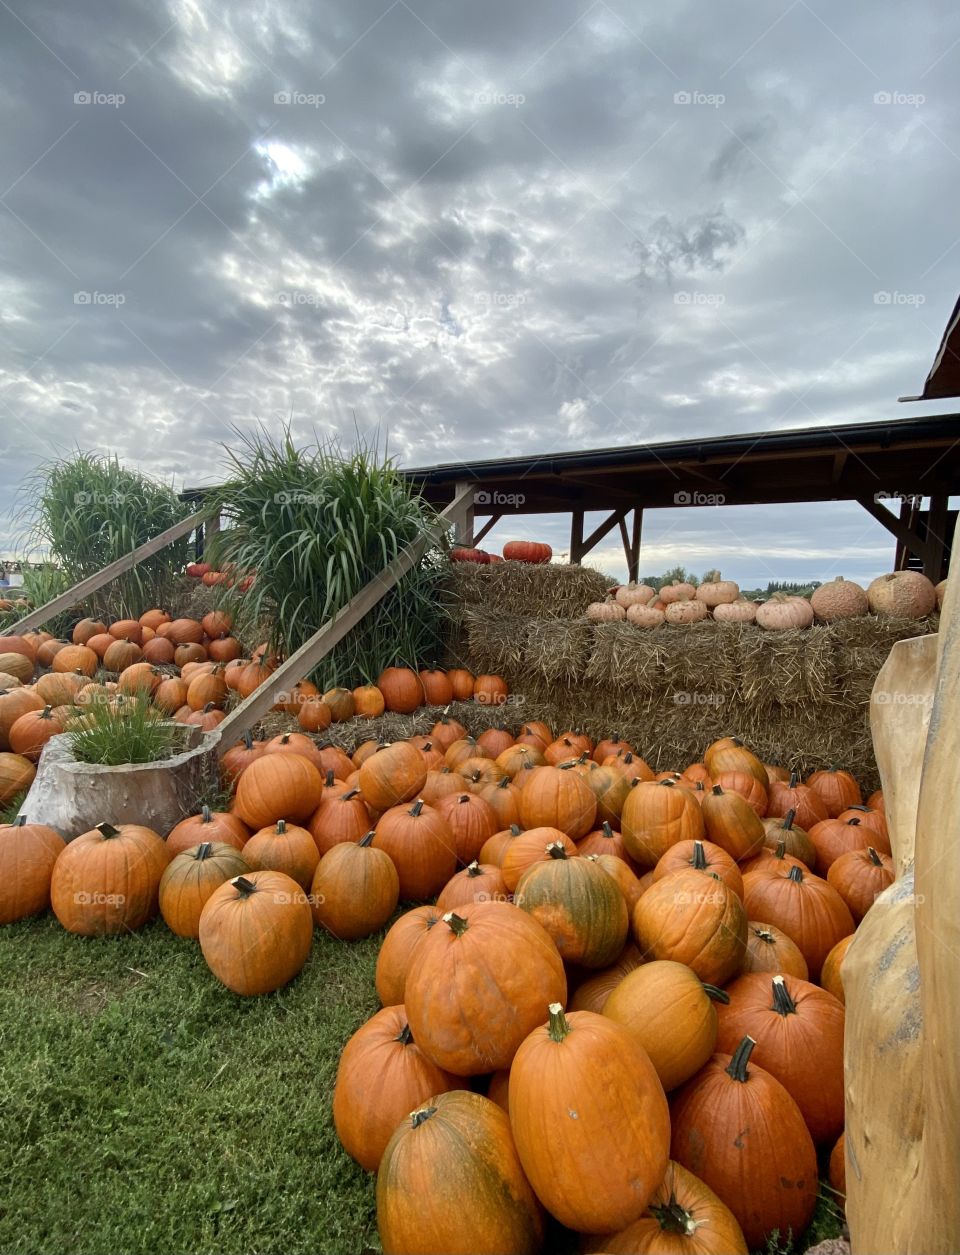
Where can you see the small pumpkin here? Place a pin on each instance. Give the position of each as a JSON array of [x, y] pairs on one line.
[[739, 611], [691, 918], [732, 823], [286, 848], [805, 907], [655, 816], [605, 612], [256, 931], [530, 847], [532, 551], [782, 829], [686, 612], [462, 681], [806, 803], [277, 786], [784, 613], [835, 837], [490, 690], [218, 827], [32, 731], [704, 856], [837, 790], [394, 774], [355, 889], [839, 599], [190, 879], [470, 820], [401, 688], [479, 882], [769, 949], [860, 876], [718, 592]]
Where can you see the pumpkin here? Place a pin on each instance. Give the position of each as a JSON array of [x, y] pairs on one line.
[[780, 829], [447, 730], [566, 748], [394, 774], [238, 757], [530, 847], [256, 931], [749, 788], [874, 818], [127, 630], [205, 719], [454, 1148], [382, 1076], [331, 758], [490, 690], [422, 845], [632, 594], [355, 889], [396, 954], [220, 827], [557, 797], [738, 1129], [739, 611], [536, 733], [185, 632], [503, 798], [20, 666], [671, 1013], [784, 613], [470, 820], [296, 743], [13, 704], [286, 848], [807, 805], [249, 677], [437, 689], [805, 907], [860, 876], [578, 904], [683, 1215], [32, 731], [610, 787], [839, 599], [527, 551], [630, 885], [190, 879], [655, 816], [837, 1169], [72, 658], [683, 612], [730, 754], [837, 790], [732, 823], [462, 751], [480, 882], [440, 784], [495, 741], [482, 981], [159, 651], [798, 1031], [677, 591], [494, 848], [191, 653], [604, 840], [690, 918], [85, 629], [340, 704], [107, 881], [28, 853], [834, 837], [605, 612], [592, 993], [831, 972], [589, 1076], [59, 689], [704, 856], [771, 950], [48, 650], [141, 678], [717, 592], [401, 688], [903, 594], [462, 681], [277, 786], [170, 694], [478, 772]]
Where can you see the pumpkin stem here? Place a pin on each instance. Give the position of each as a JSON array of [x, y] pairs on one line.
[[793, 779], [205, 812], [853, 821], [699, 859], [330, 777], [368, 838], [668, 784], [715, 994], [464, 797], [404, 1037], [515, 830], [19, 821], [737, 1068], [558, 1026], [204, 850], [474, 869], [873, 856], [628, 756], [783, 1004], [107, 831], [781, 850], [243, 886], [456, 923], [796, 874], [504, 782], [556, 850], [672, 1218], [766, 936], [788, 819], [717, 790], [417, 1117], [281, 827], [417, 807], [350, 793]]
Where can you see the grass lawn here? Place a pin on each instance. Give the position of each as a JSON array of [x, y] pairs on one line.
[[145, 1108]]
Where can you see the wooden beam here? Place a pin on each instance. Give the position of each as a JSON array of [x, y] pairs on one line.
[[600, 531], [633, 565], [839, 462], [95, 582], [313, 651], [898, 527], [936, 538], [576, 536], [491, 523], [460, 512], [625, 540]]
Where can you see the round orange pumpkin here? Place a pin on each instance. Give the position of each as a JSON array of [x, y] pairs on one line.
[[771, 950], [107, 881], [578, 904], [28, 853], [398, 950], [190, 879], [693, 919], [655, 816], [277, 786], [401, 688], [256, 931], [422, 845], [286, 848], [355, 889]]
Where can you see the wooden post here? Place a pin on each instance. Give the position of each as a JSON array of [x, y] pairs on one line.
[[490, 524], [576, 536], [462, 516], [633, 563], [936, 537]]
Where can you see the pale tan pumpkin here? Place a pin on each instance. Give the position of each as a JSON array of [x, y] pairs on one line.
[[677, 592], [906, 594], [642, 615], [839, 599], [605, 612], [688, 611], [628, 595], [783, 613], [739, 611], [718, 592]]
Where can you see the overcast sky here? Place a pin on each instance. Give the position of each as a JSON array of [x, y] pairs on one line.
[[490, 229]]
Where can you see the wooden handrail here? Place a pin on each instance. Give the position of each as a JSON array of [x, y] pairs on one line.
[[313, 651], [95, 582]]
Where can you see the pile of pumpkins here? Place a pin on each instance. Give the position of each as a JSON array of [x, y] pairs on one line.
[[529, 551], [211, 577], [901, 594], [191, 670]]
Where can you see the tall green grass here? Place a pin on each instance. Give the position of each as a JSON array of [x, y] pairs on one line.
[[132, 731], [85, 511], [316, 524]]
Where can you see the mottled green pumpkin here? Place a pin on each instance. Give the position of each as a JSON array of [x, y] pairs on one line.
[[579, 904]]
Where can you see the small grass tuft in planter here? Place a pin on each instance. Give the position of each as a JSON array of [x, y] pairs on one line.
[[116, 733]]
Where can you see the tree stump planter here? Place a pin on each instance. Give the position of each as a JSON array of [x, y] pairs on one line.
[[73, 797]]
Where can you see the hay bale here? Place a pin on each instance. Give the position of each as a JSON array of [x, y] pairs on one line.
[[552, 591]]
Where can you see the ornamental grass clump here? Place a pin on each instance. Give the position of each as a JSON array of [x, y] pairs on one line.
[[124, 730], [315, 525]]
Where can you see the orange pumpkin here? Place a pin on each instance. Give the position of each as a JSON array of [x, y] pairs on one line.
[[655, 816], [107, 881], [592, 993], [859, 876], [578, 904], [423, 847], [218, 827], [732, 823], [462, 682], [401, 688], [286, 848], [805, 907], [470, 820], [398, 950], [394, 774], [690, 918], [530, 847], [490, 690], [770, 950], [76, 658], [355, 889], [558, 797], [438, 691], [833, 837], [32, 731], [806, 803], [191, 878], [277, 786], [836, 789], [341, 816], [256, 931], [28, 853], [831, 974], [704, 856]]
